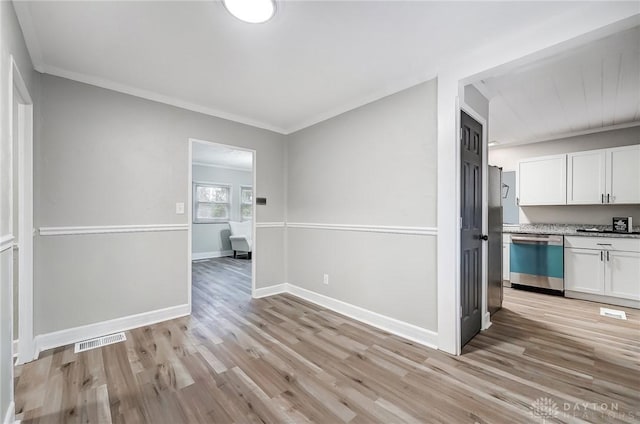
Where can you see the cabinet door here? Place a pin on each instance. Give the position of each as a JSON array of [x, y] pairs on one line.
[[506, 247], [623, 174], [622, 275], [542, 181], [586, 177], [584, 270]]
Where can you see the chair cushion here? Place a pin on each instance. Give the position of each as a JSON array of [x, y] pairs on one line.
[[240, 228]]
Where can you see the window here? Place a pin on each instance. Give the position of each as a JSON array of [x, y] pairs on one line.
[[211, 202], [246, 203]]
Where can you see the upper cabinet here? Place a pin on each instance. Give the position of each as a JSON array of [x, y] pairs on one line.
[[586, 177], [606, 176], [623, 175], [542, 181]]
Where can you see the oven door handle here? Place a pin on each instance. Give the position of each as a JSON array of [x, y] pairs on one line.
[[530, 240]]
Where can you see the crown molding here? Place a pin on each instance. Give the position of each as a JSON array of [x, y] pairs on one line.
[[388, 90], [29, 33], [157, 97]]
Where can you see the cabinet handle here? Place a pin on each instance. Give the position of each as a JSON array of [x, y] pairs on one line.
[[607, 256], [608, 198], [603, 244], [602, 198], [601, 256]]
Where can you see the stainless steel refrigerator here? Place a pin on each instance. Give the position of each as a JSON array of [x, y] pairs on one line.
[[494, 281]]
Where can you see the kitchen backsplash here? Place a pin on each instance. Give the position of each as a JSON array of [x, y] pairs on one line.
[[582, 214]]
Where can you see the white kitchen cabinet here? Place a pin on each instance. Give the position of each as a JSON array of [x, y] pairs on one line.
[[602, 266], [583, 270], [506, 256], [542, 181], [622, 278], [623, 175], [606, 176], [586, 177]]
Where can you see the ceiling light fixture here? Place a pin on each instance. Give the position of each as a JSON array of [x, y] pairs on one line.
[[251, 11]]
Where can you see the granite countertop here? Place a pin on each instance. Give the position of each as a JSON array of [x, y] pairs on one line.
[[565, 230]]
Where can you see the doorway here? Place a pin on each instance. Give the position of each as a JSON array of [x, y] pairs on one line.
[[221, 213], [21, 213], [471, 237]]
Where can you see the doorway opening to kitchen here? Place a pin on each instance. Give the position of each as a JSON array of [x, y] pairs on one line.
[[563, 127]]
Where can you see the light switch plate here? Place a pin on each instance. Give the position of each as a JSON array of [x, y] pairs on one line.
[[179, 208]]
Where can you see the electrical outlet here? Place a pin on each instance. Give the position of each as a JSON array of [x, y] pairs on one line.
[[325, 279], [179, 208]]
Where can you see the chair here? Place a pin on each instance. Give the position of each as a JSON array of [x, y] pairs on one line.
[[240, 237]]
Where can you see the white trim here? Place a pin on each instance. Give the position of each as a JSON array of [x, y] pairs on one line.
[[6, 242], [389, 89], [10, 415], [90, 331], [212, 165], [109, 229], [399, 328], [430, 231], [157, 97], [29, 33], [270, 224], [208, 255], [24, 167], [486, 321], [14, 348], [270, 291]]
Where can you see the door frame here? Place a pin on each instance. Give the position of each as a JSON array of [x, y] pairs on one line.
[[26, 351], [189, 210], [466, 108]]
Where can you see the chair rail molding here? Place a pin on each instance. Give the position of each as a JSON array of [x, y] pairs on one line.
[[270, 224], [109, 229], [6, 242], [390, 229]]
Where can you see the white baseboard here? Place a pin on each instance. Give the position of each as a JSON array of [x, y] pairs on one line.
[[9, 416], [399, 328], [269, 291], [486, 321], [208, 255], [73, 335]]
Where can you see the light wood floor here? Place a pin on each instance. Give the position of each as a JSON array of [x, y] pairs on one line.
[[283, 360]]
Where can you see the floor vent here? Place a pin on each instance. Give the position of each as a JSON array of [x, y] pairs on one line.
[[613, 313], [99, 342]]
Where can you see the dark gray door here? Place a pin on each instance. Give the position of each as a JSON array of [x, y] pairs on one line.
[[471, 232]]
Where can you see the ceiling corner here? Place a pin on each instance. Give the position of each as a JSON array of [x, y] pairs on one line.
[[29, 33]]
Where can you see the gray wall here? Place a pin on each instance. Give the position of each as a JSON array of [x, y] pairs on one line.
[[106, 158], [508, 157], [374, 165], [11, 43], [214, 238]]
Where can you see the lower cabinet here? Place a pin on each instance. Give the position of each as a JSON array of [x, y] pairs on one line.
[[506, 253], [622, 275], [598, 266]]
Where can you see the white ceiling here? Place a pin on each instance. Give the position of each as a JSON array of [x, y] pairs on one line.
[[590, 88], [314, 60], [224, 157]]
